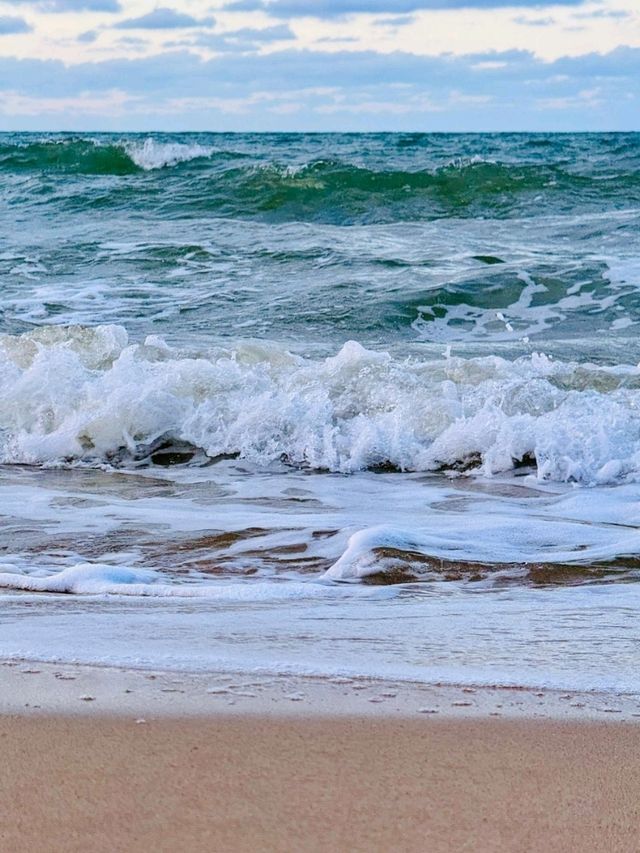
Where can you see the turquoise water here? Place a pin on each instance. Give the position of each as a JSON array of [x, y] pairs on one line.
[[312, 239], [276, 378]]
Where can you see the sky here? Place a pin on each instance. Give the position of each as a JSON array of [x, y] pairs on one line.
[[320, 65]]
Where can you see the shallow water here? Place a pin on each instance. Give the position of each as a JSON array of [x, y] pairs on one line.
[[362, 404]]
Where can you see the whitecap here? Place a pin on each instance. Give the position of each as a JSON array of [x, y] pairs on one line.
[[152, 154]]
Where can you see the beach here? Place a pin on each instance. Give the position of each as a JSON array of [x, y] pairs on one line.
[[217, 763], [102, 759]]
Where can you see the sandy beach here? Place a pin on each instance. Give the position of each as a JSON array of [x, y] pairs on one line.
[[258, 783], [101, 759]]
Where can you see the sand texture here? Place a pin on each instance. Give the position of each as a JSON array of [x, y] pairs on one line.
[[254, 783]]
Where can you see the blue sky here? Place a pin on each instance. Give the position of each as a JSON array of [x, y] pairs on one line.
[[461, 65]]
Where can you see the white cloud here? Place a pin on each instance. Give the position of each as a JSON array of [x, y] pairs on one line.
[[113, 103]]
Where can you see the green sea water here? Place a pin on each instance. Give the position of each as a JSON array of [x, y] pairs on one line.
[[490, 242]]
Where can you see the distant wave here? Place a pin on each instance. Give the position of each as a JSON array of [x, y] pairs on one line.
[[92, 157], [87, 395], [86, 155], [202, 175]]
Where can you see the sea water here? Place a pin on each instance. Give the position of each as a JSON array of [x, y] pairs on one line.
[[362, 404]]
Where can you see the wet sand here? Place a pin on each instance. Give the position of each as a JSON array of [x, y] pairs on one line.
[[249, 783], [38, 688]]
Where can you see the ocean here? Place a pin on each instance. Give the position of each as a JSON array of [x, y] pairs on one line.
[[338, 405]]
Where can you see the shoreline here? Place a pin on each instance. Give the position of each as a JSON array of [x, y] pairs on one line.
[[68, 689]]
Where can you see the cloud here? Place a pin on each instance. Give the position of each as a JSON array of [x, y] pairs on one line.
[[337, 40], [603, 13], [163, 18], [71, 5], [115, 103], [173, 72], [360, 90], [10, 25], [245, 40], [276, 33], [398, 21], [340, 8], [533, 22]]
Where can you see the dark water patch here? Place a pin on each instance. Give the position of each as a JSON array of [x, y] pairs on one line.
[[95, 481], [75, 156], [400, 566], [164, 452], [488, 259], [526, 463], [217, 541], [210, 555], [408, 567]]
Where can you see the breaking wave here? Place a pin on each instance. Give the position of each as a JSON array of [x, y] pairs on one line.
[[89, 395]]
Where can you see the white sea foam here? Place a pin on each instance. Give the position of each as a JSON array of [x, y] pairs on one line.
[[87, 394], [152, 154], [104, 579], [489, 539]]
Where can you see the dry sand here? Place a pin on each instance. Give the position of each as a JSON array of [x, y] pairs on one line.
[[254, 783]]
